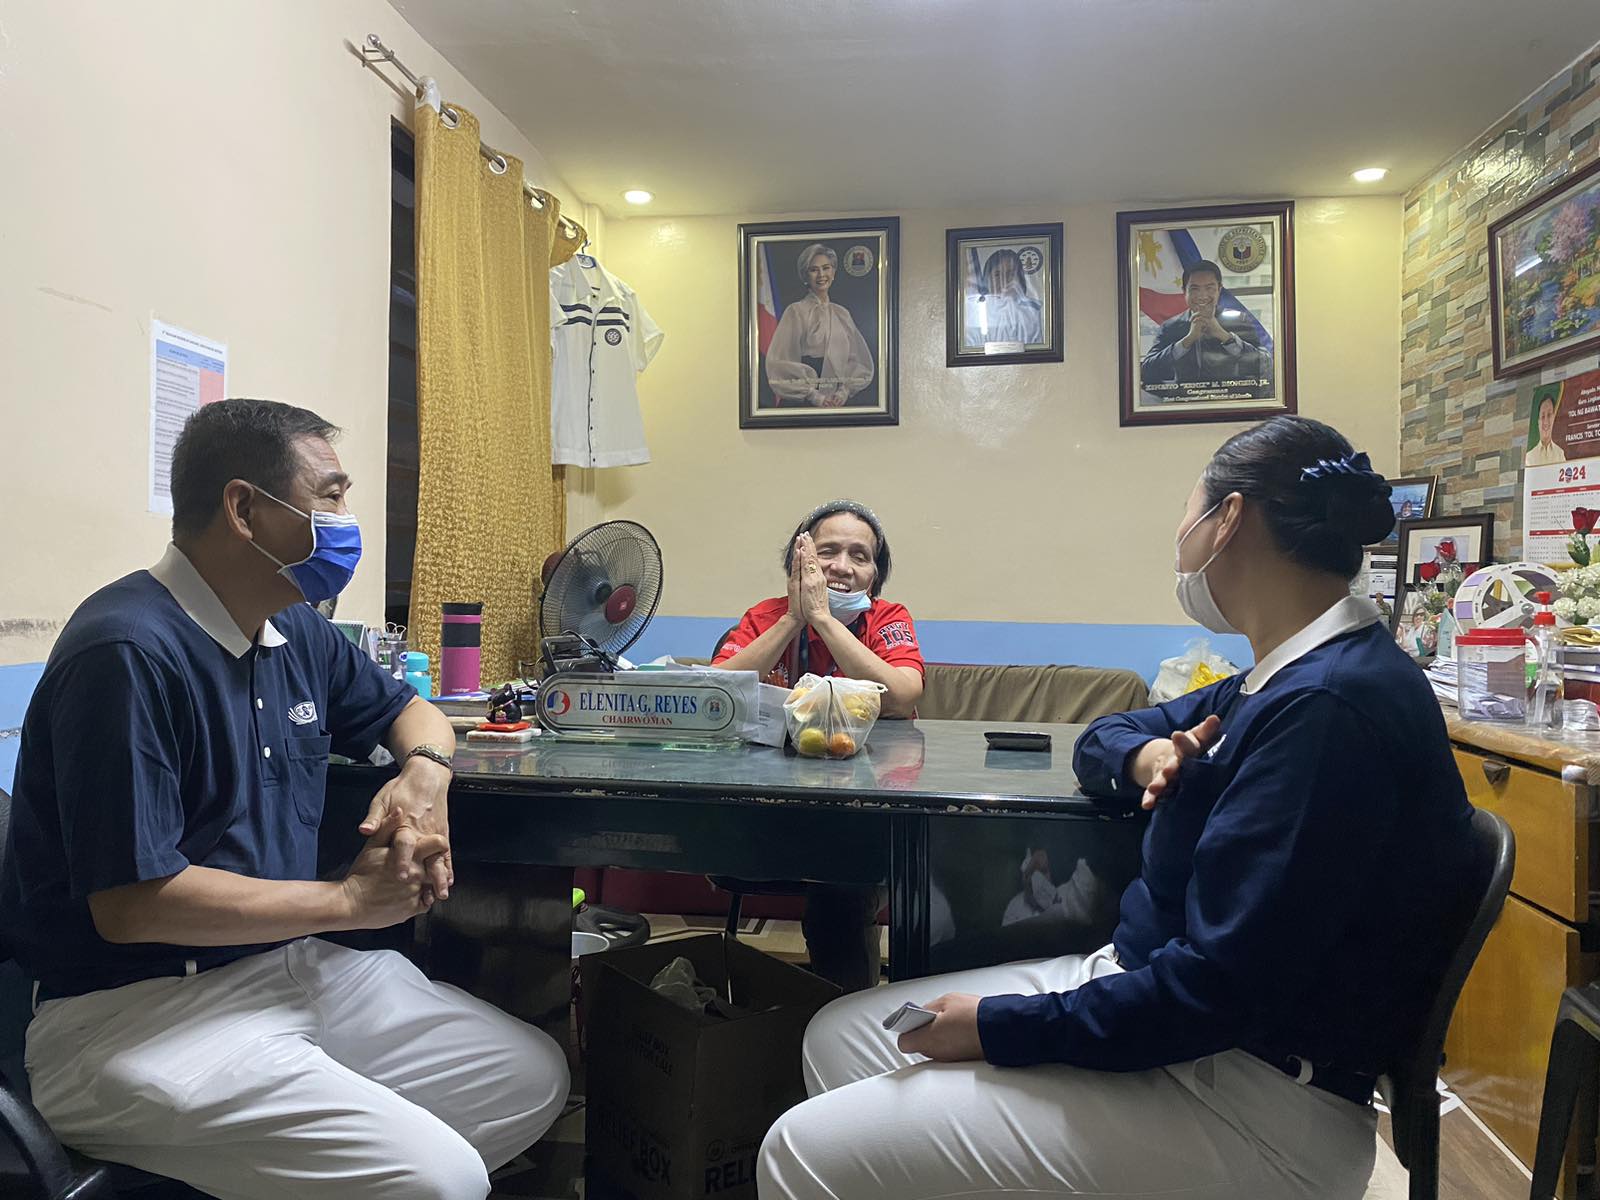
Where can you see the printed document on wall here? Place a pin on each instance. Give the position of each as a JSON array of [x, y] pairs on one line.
[[186, 371]]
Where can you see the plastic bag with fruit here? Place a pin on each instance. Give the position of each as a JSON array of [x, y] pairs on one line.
[[831, 718]]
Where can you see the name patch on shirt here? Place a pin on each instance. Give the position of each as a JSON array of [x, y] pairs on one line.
[[304, 713]]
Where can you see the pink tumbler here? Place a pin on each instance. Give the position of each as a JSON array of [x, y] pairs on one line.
[[461, 649]]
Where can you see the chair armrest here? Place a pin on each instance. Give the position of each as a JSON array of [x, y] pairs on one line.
[[42, 1154]]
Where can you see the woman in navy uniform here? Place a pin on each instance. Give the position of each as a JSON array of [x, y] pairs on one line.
[[1309, 831]]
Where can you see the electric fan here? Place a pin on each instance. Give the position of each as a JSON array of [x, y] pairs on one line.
[[599, 594]]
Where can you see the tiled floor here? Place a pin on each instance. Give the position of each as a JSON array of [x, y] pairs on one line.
[[1473, 1165], [552, 1170]]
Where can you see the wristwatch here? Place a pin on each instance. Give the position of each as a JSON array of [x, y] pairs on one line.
[[429, 751]]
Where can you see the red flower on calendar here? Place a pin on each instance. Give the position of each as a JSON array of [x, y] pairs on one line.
[[1583, 523]]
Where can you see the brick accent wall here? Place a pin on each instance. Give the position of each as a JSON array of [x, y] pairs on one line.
[[1456, 420]]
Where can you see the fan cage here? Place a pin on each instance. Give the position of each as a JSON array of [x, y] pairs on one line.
[[604, 556]]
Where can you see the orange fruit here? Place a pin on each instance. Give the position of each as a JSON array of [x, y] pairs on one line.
[[841, 745]]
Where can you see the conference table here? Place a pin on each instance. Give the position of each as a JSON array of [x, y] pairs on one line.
[[989, 855]]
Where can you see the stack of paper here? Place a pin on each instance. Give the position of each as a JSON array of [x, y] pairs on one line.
[[1442, 675]]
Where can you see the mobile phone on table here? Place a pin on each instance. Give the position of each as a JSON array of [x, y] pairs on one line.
[[1016, 739], [908, 1017]]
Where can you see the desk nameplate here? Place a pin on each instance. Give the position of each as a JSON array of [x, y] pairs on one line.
[[640, 707]]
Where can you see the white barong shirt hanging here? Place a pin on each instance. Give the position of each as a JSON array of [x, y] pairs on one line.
[[601, 337]]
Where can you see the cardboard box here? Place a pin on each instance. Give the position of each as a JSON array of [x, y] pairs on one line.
[[678, 1102]]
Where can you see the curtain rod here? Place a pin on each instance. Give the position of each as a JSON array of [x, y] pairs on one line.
[[427, 91]]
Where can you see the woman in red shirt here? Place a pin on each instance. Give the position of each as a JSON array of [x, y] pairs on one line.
[[833, 621]]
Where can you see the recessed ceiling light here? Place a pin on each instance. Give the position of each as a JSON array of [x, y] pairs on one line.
[[637, 196], [1369, 174]]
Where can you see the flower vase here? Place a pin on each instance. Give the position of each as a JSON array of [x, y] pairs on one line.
[[1428, 642]]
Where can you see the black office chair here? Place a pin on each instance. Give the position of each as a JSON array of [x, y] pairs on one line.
[[738, 889], [34, 1165], [1410, 1086], [1572, 1083]]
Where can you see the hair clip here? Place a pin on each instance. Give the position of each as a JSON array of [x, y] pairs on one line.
[[1350, 464]]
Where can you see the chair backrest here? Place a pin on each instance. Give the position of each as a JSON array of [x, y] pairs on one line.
[[1410, 1087], [16, 991], [1039, 694]]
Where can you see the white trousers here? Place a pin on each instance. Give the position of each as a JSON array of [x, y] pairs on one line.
[[885, 1125], [311, 1071]]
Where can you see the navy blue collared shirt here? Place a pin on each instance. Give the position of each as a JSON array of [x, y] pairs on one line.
[[159, 738], [1291, 886]]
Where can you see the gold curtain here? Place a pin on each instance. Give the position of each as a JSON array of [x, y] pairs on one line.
[[490, 507]]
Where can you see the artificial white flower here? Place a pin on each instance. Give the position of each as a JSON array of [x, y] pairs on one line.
[[1589, 608], [1566, 608]]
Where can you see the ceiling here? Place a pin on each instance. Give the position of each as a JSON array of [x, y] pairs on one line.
[[772, 106]]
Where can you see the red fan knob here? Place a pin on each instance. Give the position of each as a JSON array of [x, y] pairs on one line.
[[549, 568], [620, 606]]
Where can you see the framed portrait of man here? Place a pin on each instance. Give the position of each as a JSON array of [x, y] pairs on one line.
[[1003, 295], [1206, 313], [819, 323]]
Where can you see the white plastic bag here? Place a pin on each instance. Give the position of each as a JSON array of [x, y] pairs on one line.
[[1195, 668], [830, 718]]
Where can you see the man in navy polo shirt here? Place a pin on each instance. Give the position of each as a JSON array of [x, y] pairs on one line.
[[160, 881]]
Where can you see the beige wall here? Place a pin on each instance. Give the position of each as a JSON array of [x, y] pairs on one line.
[[219, 164], [1009, 493]]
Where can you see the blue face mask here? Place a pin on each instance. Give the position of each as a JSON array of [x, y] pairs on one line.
[[848, 604], [335, 551]]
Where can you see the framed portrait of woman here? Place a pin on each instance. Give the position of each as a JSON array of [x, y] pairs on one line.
[[819, 323], [1003, 295]]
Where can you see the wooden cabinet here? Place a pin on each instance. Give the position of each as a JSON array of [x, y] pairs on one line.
[[1499, 1038], [1499, 1042], [1550, 819]]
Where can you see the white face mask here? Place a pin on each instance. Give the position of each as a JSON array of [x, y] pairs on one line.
[[846, 605], [1194, 592]]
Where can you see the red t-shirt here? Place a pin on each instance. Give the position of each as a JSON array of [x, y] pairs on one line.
[[885, 629]]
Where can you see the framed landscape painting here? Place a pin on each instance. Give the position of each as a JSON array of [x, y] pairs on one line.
[[1544, 277]]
